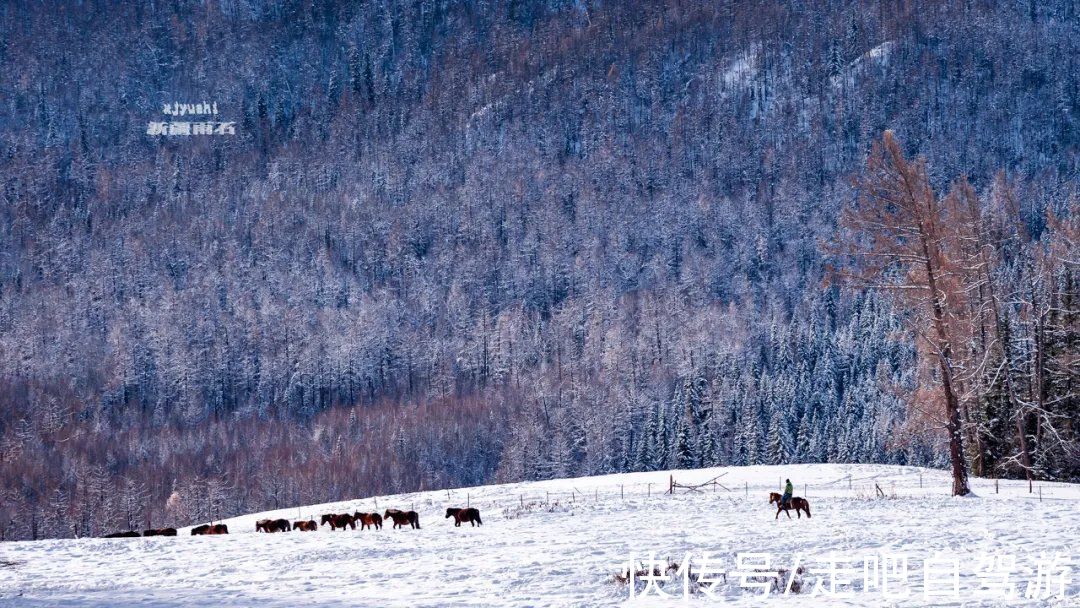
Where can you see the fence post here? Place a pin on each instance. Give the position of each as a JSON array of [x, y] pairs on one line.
[[522, 497], [996, 489], [806, 490], [622, 494], [747, 485], [468, 500], [1040, 493], [376, 503], [649, 491]]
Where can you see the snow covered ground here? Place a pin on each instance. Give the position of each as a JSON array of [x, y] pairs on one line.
[[561, 543]]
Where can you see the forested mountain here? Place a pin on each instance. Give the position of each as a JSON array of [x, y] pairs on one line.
[[460, 242]]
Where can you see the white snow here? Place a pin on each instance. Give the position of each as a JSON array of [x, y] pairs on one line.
[[875, 57], [565, 546], [882, 51], [740, 73]]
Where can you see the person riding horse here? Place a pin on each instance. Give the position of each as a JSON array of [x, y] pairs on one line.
[[789, 489]]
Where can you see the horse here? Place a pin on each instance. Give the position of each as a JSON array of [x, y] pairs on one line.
[[401, 518], [160, 532], [796, 502], [470, 515], [128, 534], [207, 529], [305, 526], [368, 520], [273, 525], [338, 521], [279, 525]]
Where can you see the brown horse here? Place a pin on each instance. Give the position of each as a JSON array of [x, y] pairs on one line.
[[796, 502], [128, 534], [305, 526], [207, 529], [367, 520], [338, 521], [470, 515], [273, 525], [403, 518], [160, 532]]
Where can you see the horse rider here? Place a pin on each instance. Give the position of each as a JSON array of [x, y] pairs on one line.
[[788, 491]]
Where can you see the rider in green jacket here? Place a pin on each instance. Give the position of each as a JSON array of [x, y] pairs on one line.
[[788, 491]]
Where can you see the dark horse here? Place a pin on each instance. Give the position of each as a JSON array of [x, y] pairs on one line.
[[368, 520], [470, 515], [338, 521], [207, 529], [160, 532], [305, 526], [273, 525], [403, 518], [797, 503], [128, 534]]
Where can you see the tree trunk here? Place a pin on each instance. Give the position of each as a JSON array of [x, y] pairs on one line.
[[953, 422], [1025, 454], [954, 426]]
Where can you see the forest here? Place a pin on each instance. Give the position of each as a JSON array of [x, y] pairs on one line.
[[462, 242]]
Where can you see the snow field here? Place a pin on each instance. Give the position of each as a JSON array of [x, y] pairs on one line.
[[561, 543]]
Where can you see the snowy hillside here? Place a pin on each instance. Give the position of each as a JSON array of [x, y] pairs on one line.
[[562, 543]]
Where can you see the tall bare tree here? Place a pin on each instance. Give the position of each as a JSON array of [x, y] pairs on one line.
[[895, 238]]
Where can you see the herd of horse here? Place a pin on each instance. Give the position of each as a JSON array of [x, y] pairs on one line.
[[337, 521], [367, 521]]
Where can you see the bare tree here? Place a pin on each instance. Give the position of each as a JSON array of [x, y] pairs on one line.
[[895, 239]]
